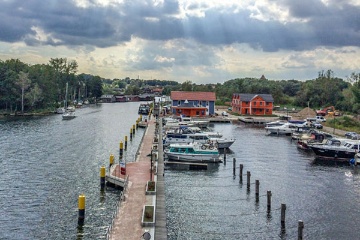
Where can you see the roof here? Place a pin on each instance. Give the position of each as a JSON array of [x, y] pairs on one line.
[[247, 97], [202, 96]]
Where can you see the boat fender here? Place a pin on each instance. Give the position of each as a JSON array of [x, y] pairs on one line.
[[211, 147], [352, 161]]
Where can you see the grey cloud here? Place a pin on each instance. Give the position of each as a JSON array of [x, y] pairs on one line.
[[336, 24]]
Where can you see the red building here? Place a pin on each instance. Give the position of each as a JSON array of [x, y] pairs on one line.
[[252, 104]]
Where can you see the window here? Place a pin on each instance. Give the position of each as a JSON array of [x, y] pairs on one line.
[[179, 102]]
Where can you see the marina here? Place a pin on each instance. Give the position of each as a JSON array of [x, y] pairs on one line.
[[217, 201]]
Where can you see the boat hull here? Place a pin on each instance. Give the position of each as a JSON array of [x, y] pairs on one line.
[[207, 158], [333, 154]]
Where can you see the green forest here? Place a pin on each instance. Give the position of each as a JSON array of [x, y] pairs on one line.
[[41, 87]]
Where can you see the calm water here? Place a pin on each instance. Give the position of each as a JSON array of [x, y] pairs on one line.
[[213, 205], [46, 163]]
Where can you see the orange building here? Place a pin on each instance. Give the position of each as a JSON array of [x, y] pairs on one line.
[[192, 104], [252, 104]]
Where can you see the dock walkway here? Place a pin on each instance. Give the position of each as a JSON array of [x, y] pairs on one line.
[[127, 224]]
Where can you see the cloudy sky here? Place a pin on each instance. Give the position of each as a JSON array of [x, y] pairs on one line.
[[204, 41]]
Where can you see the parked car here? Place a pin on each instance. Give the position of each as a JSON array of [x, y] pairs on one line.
[[316, 125], [352, 135], [225, 114]]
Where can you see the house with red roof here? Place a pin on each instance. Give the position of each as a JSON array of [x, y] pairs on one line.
[[252, 104], [191, 104]]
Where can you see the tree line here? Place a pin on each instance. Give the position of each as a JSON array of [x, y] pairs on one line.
[[25, 87], [326, 90], [42, 87]]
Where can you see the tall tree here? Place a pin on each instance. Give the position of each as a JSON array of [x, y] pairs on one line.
[[24, 83]]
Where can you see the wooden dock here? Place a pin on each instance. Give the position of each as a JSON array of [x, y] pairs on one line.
[[160, 211]]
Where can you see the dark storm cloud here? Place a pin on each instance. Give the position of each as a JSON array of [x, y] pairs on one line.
[[333, 25]]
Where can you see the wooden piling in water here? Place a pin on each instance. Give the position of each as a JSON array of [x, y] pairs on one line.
[[283, 210], [300, 229], [248, 174], [268, 194], [234, 163], [241, 173], [257, 186]]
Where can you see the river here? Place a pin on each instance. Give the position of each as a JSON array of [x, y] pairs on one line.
[[47, 162]]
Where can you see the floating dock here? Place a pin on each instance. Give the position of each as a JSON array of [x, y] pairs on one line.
[[187, 165]]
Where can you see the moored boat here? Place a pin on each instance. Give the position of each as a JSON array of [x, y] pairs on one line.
[[192, 152], [284, 129], [68, 115], [336, 150]]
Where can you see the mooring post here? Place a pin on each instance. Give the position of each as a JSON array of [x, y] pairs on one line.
[[241, 173], [126, 140], [300, 229], [248, 179], [283, 210], [131, 134], [133, 129], [121, 149], [111, 160], [102, 177], [257, 183], [234, 163], [81, 206], [268, 194], [224, 156]]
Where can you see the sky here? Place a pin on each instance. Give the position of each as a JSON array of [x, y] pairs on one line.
[[202, 41]]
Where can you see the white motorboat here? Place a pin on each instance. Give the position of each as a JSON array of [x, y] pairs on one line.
[[192, 152], [221, 143], [204, 138], [284, 129], [68, 115]]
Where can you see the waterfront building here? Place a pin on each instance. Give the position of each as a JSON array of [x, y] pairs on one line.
[[252, 104], [193, 104]]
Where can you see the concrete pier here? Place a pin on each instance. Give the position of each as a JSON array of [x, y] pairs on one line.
[[127, 225]]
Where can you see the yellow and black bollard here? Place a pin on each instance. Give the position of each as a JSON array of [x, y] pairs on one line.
[[133, 129], [102, 178], [126, 143], [111, 160], [137, 124], [131, 134], [81, 206], [121, 150]]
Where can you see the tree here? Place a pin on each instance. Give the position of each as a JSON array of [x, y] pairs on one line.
[[34, 95], [24, 83]]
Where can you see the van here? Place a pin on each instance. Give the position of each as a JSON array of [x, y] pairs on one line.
[[316, 119]]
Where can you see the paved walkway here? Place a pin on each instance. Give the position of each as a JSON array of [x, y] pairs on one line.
[[127, 225]]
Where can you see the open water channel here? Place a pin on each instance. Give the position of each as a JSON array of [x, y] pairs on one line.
[[45, 163]]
